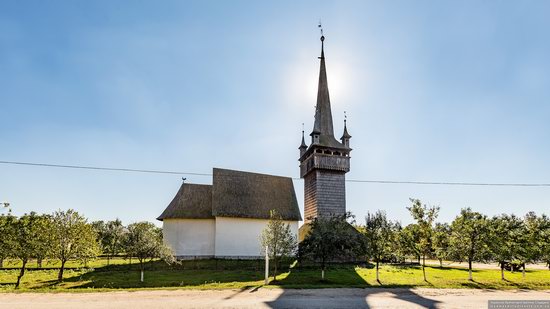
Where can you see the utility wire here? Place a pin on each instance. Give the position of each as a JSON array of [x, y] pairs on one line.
[[444, 183]]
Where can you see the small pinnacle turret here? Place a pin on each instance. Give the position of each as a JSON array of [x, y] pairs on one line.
[[345, 136], [303, 146]]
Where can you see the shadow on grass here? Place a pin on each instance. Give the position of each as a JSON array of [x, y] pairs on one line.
[[338, 277], [157, 274]]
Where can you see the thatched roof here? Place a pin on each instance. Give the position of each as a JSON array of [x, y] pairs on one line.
[[251, 195], [235, 194], [191, 202]]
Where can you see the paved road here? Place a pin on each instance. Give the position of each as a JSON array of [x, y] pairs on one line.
[[269, 298]]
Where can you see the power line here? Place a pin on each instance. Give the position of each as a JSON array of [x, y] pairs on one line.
[[444, 183]]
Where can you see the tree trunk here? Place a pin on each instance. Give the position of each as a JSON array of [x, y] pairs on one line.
[[440, 263], [60, 275], [418, 258], [323, 269], [523, 271], [502, 271], [1, 263], [275, 262], [141, 268], [470, 270], [39, 263], [377, 273], [423, 266], [21, 273]]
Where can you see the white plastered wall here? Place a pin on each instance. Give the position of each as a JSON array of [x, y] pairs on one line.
[[190, 237], [240, 237]]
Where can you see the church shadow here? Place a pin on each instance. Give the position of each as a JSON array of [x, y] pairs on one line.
[[157, 274], [343, 287]]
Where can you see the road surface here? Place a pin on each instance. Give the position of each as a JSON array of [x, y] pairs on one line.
[[269, 298]]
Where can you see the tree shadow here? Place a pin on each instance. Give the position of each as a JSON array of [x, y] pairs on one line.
[[157, 274], [342, 288]]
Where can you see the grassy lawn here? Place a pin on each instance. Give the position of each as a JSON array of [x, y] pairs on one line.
[[245, 274], [100, 262]]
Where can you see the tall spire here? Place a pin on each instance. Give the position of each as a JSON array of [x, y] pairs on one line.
[[323, 131], [323, 114]]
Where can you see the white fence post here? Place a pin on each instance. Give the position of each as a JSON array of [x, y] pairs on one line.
[[266, 266]]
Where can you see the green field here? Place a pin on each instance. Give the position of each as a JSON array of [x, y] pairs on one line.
[[212, 274]]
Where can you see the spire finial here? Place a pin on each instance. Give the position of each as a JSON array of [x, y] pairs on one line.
[[322, 41], [345, 119]]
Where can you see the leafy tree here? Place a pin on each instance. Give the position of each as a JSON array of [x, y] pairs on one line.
[[440, 241], [99, 228], [44, 223], [469, 237], [535, 240], [7, 236], [144, 241], [425, 217], [279, 240], [331, 239], [31, 240], [506, 239], [378, 233], [113, 238], [542, 239], [408, 241], [72, 238]]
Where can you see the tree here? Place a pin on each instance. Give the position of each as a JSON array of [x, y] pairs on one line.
[[144, 241], [44, 223], [440, 241], [99, 228], [506, 239], [113, 238], [72, 238], [469, 236], [378, 233], [425, 217], [542, 240], [331, 239], [31, 240], [279, 239], [408, 241], [7, 236], [536, 239]]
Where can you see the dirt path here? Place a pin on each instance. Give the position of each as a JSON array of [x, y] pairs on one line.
[[269, 298]]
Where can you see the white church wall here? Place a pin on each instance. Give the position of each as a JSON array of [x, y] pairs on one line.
[[190, 237], [240, 237]]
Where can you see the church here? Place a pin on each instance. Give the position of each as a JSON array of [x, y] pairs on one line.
[[225, 219]]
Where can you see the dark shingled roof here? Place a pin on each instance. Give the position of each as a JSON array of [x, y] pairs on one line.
[[235, 194], [251, 195], [191, 202]]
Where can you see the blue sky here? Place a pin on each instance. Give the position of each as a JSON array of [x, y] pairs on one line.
[[434, 91]]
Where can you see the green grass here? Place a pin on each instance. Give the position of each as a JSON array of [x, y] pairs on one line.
[[100, 262], [247, 274]]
